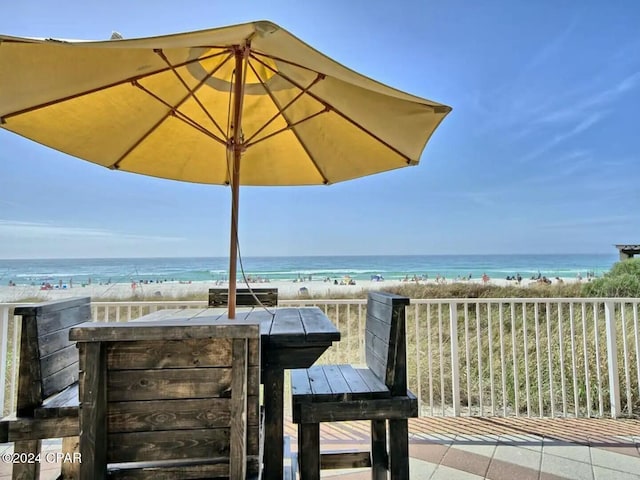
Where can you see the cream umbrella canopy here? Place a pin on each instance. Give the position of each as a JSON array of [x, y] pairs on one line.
[[246, 104]]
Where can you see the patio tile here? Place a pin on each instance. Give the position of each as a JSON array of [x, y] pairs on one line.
[[419, 469], [564, 467], [432, 453], [518, 455], [447, 473], [501, 470], [615, 461], [477, 445], [466, 461], [551, 476], [602, 473], [572, 451], [629, 449]]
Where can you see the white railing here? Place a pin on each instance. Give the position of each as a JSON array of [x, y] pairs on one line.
[[569, 357]]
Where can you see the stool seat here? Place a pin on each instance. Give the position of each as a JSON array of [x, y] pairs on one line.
[[329, 383], [377, 392]]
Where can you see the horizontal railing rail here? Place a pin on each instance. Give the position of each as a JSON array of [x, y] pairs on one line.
[[544, 357]]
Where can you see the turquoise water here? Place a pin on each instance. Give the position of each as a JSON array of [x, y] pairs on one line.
[[105, 270]]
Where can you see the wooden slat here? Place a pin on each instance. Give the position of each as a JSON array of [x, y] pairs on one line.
[[316, 326], [163, 330], [318, 381], [60, 404], [52, 306], [54, 341], [53, 321], [339, 460], [337, 382], [334, 383], [169, 354], [292, 357], [59, 360], [134, 385], [355, 381], [300, 386], [144, 416], [178, 444], [268, 297], [192, 469], [377, 388], [60, 380], [28, 428], [287, 327], [384, 408]]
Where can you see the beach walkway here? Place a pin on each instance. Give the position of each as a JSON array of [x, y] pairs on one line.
[[471, 448]]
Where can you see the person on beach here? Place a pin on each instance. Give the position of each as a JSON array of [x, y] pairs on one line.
[[485, 278]]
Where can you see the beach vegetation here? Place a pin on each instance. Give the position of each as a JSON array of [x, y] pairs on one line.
[[623, 280], [476, 290]]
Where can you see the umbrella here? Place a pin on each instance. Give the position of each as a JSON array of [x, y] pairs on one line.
[[246, 104]]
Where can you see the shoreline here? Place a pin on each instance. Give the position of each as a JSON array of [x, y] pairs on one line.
[[175, 290]]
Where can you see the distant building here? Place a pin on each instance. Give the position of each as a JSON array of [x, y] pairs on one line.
[[628, 251]]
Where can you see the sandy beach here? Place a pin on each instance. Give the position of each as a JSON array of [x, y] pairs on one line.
[[179, 290]]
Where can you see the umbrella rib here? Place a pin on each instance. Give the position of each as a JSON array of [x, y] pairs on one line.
[[288, 127], [325, 180], [103, 87], [192, 93], [284, 60], [280, 111], [172, 111], [341, 114], [436, 107]]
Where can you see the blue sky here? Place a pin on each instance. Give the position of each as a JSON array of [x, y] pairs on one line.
[[540, 154]]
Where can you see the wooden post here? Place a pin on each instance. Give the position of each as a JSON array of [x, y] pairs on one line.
[[93, 420]]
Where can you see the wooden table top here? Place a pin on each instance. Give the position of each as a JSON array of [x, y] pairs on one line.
[[285, 326]]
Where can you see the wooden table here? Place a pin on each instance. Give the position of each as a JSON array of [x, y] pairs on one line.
[[290, 338]]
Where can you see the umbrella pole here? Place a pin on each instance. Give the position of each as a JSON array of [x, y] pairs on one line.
[[240, 54], [233, 249]]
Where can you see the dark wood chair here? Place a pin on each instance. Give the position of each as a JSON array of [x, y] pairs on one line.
[[333, 393], [169, 399], [47, 403], [267, 297]]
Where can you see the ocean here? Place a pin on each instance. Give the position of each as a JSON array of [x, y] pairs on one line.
[[392, 267]]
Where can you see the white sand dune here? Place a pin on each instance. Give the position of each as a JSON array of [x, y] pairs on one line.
[[180, 290]]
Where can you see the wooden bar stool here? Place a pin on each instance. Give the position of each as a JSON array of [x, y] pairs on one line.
[[334, 393], [169, 400]]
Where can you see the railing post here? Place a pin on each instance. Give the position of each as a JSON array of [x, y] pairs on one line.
[[612, 357], [455, 363]]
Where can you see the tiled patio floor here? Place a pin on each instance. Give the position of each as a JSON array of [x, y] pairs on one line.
[[492, 448], [470, 448]]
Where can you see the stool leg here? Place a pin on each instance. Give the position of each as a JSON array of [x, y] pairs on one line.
[[379, 460], [27, 470], [70, 469], [399, 449], [309, 450]]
